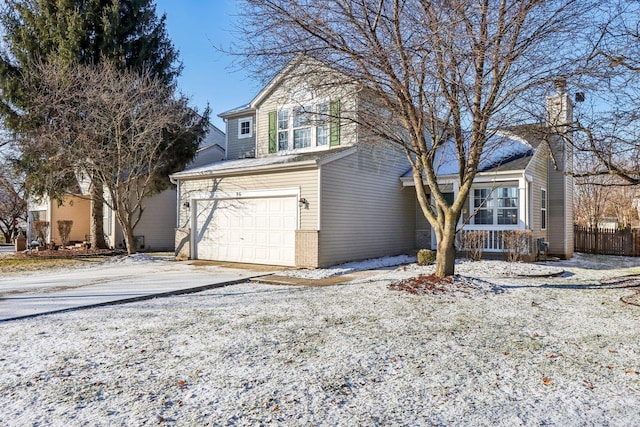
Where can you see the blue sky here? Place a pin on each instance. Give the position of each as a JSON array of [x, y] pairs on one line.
[[195, 27]]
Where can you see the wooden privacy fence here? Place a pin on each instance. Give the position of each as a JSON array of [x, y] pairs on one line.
[[607, 242]]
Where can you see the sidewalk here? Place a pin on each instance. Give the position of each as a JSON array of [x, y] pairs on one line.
[[45, 292]]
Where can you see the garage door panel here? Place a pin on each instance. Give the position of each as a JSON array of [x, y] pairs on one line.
[[260, 230]]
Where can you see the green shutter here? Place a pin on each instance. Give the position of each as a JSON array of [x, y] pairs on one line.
[[273, 146], [334, 123]]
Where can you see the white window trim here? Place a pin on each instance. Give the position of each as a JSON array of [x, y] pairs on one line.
[[240, 122], [291, 108], [494, 225]]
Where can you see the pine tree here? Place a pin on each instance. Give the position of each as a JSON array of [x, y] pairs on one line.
[[126, 33]]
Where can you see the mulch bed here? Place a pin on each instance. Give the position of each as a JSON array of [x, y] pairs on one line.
[[430, 285]]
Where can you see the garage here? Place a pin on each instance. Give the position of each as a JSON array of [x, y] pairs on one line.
[[257, 230]]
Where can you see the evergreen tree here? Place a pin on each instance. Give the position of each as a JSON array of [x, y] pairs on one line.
[[126, 33]]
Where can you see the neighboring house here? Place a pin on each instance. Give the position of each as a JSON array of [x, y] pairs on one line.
[[302, 188], [156, 229]]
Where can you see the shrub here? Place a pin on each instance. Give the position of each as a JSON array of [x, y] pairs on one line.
[[426, 257], [517, 243], [472, 243], [64, 229], [41, 229]]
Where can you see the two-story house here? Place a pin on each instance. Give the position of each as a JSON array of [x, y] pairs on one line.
[[303, 186]]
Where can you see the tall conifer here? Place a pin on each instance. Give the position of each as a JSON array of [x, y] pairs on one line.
[[127, 33]]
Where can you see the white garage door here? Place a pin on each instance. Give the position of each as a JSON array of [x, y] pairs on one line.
[[256, 230]]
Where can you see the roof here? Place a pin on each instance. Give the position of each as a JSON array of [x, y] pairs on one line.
[[271, 85], [273, 162], [242, 109], [509, 149]]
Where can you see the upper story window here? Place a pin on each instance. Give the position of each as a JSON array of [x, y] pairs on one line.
[[303, 126], [495, 206], [245, 127]]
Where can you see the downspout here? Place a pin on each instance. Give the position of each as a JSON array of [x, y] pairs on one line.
[[319, 203], [226, 139], [178, 198]]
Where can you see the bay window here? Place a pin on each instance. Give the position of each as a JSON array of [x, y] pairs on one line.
[[497, 206]]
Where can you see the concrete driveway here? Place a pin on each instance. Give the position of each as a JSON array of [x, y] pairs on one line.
[[115, 281]]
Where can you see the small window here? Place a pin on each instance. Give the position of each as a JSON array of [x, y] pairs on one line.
[[543, 209], [245, 127]]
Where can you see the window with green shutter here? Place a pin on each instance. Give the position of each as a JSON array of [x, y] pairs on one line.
[[334, 123], [273, 147]]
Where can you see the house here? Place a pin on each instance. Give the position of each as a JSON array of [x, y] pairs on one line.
[[155, 231], [303, 186]]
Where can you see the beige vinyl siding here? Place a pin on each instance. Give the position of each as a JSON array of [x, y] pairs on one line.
[[365, 210], [281, 96], [239, 148], [560, 210], [306, 180], [537, 169]]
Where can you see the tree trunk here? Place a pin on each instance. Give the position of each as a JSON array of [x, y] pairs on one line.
[[97, 219], [446, 254], [130, 241]]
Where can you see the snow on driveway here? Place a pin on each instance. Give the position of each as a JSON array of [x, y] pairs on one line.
[[120, 278], [542, 351]]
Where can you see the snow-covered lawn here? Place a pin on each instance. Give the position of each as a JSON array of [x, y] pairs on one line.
[[513, 351]]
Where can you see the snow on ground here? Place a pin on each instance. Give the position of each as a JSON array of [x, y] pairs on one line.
[[544, 351], [350, 267]]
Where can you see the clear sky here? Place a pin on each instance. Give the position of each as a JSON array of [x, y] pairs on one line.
[[196, 27]]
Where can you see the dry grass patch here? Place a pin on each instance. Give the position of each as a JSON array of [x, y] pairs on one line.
[[25, 263]]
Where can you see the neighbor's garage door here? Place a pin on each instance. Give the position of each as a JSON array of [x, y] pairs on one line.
[[259, 230]]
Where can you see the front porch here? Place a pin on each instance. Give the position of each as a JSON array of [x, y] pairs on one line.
[[520, 244]]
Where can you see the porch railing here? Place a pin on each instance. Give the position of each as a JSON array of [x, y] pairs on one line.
[[494, 241]]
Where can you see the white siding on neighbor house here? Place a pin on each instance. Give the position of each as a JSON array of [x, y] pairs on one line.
[[239, 148], [206, 156], [365, 210], [157, 224], [305, 179]]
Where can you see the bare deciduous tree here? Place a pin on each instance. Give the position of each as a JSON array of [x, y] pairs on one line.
[[13, 202], [597, 197], [606, 130], [444, 74], [113, 126]]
